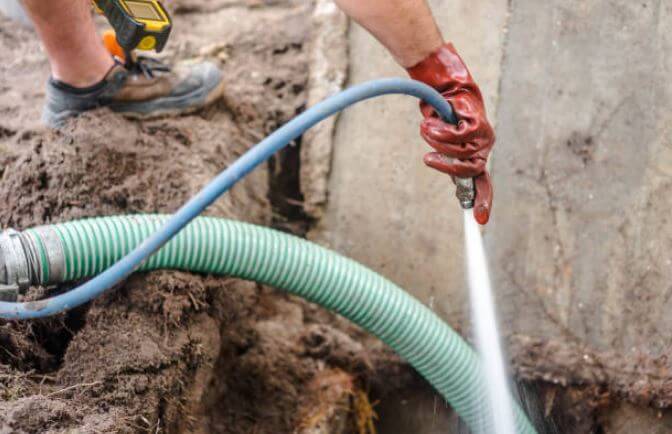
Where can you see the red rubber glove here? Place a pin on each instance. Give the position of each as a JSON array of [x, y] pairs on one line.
[[461, 150]]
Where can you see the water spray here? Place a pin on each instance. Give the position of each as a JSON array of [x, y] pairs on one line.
[[499, 404]]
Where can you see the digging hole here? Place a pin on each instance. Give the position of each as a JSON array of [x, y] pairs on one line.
[[56, 342], [285, 191], [40, 346]]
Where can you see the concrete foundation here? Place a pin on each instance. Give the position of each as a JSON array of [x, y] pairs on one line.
[[580, 238], [390, 212]]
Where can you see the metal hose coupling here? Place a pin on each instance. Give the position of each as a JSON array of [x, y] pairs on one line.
[[466, 192], [14, 269], [22, 264]]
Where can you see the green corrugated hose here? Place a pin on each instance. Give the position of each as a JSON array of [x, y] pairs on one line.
[[217, 246]]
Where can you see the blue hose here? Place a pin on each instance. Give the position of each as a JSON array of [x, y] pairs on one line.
[[218, 186]]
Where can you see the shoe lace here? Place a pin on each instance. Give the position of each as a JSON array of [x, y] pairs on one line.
[[146, 66]]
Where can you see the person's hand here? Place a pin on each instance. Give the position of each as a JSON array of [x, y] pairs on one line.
[[460, 150]]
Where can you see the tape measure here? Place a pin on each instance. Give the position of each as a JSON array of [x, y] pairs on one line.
[[138, 24]]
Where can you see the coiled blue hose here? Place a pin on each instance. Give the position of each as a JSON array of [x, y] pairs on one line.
[[222, 183]]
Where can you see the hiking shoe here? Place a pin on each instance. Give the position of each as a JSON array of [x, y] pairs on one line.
[[145, 89]]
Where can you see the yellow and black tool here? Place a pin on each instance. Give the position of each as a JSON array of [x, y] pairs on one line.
[[138, 24]]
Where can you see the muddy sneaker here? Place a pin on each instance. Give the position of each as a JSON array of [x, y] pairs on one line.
[[147, 89]]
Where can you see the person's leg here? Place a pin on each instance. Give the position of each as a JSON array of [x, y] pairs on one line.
[[84, 75], [76, 53]]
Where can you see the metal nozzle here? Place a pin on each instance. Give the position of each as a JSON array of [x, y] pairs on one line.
[[466, 192]]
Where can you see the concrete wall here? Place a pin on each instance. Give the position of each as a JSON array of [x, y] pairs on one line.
[[581, 239], [387, 210], [580, 242]]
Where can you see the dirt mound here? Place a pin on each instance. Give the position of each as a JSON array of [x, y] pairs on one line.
[[171, 351]]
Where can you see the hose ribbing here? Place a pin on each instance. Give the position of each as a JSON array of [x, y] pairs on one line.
[[217, 246]]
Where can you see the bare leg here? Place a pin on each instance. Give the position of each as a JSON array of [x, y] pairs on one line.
[[76, 53]]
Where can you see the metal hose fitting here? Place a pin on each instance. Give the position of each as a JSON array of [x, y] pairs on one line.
[[14, 269], [23, 263]]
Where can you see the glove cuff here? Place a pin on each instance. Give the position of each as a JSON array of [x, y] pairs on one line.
[[442, 70]]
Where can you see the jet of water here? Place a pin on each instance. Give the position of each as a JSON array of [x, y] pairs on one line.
[[499, 404]]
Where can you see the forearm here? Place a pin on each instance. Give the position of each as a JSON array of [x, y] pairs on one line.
[[405, 27]]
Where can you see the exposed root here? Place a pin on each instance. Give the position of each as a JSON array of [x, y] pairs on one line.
[[365, 415]]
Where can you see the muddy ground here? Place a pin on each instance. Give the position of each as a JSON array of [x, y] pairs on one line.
[[169, 351]]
